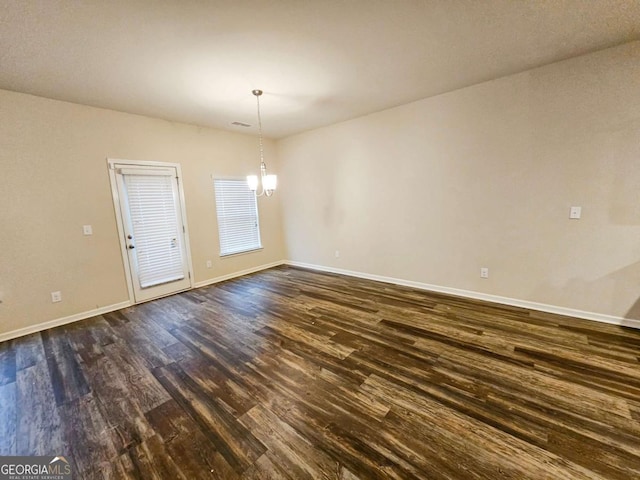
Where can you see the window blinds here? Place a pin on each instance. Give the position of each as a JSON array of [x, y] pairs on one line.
[[156, 232], [237, 216]]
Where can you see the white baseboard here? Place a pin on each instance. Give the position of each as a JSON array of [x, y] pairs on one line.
[[117, 306], [62, 321], [542, 307], [570, 312], [229, 276]]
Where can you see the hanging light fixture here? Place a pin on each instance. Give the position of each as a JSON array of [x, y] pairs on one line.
[[268, 181]]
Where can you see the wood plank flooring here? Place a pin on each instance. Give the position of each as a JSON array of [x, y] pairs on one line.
[[293, 374]]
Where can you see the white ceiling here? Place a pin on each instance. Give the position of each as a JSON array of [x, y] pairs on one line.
[[318, 61]]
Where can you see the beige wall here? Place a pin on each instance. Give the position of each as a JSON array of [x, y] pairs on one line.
[[429, 191], [484, 176], [54, 179]]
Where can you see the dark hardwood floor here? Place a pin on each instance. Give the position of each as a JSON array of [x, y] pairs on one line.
[[295, 374]]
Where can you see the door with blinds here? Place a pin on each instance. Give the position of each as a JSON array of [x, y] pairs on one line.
[[153, 229]]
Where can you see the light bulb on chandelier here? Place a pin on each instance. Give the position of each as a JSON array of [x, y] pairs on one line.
[[269, 182]]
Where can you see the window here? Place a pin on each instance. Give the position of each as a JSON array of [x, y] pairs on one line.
[[237, 216]]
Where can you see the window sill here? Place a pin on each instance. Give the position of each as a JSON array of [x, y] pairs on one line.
[[235, 254]]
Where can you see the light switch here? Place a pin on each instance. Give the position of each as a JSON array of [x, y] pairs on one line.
[[87, 230], [575, 212]]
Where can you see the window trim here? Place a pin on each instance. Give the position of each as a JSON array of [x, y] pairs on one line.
[[248, 250], [243, 252]]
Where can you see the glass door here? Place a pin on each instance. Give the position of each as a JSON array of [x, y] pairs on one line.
[[154, 231]]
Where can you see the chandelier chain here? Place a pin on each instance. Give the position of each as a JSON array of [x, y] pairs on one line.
[[260, 132], [268, 181]]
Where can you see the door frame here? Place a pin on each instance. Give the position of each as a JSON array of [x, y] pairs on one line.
[[111, 163]]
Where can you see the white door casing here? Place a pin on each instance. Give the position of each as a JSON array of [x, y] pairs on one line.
[[149, 205]]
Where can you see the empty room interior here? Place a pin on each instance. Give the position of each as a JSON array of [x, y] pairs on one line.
[[333, 239]]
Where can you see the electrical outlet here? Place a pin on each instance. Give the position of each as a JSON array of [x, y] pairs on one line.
[[209, 264], [87, 230], [337, 253], [575, 213], [56, 297], [484, 272]]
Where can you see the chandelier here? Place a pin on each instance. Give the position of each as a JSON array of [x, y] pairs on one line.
[[268, 181]]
